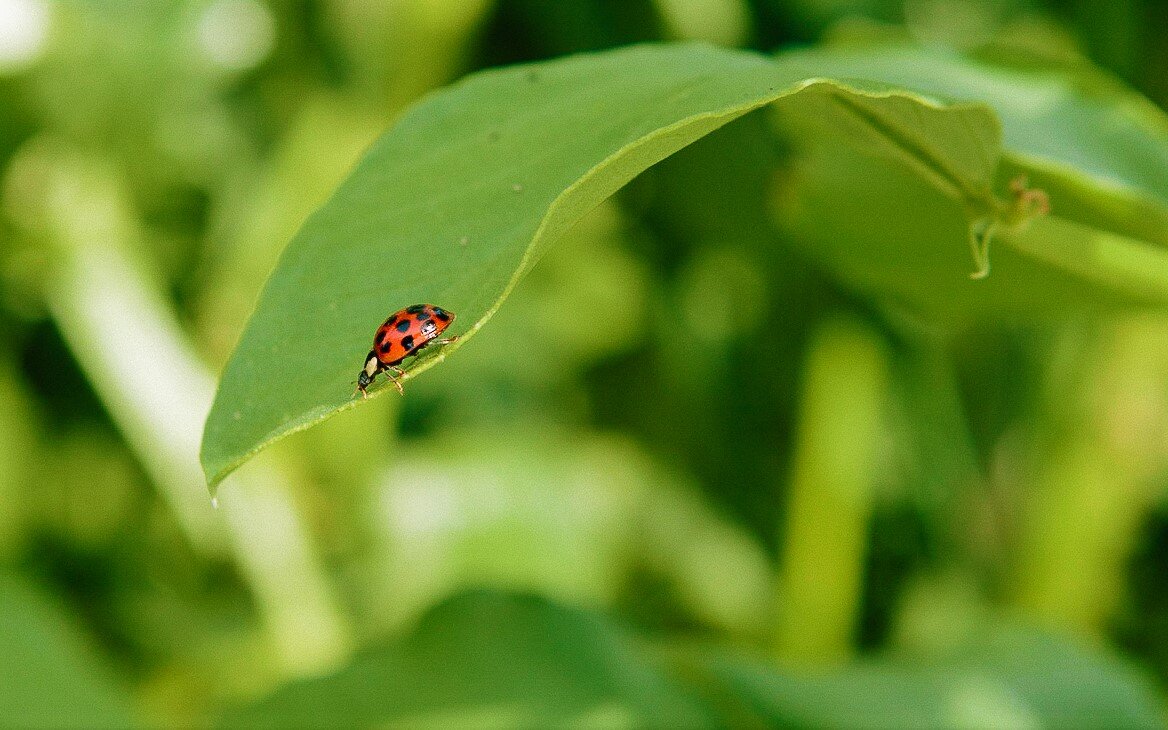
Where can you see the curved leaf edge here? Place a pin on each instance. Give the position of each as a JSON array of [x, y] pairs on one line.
[[723, 116]]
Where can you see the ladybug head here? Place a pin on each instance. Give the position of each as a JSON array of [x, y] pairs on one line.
[[365, 377]]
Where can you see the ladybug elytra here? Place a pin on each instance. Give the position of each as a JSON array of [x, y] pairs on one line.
[[404, 334]]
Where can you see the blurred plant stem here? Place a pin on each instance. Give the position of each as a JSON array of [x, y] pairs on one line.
[[825, 538], [1096, 482], [399, 49], [721, 22], [18, 435], [112, 315]]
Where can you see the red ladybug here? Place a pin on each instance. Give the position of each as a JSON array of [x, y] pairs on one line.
[[405, 333]]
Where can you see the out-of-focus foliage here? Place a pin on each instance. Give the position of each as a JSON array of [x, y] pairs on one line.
[[483, 659], [745, 430], [1007, 678], [50, 677], [487, 660]]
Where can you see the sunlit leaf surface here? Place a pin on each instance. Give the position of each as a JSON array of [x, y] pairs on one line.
[[461, 196], [898, 194]]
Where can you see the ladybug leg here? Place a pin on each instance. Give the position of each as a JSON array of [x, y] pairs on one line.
[[446, 341], [396, 384]]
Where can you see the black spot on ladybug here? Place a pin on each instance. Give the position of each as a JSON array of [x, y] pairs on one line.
[[415, 308], [384, 347], [423, 316], [441, 315], [390, 322], [408, 342], [403, 326]]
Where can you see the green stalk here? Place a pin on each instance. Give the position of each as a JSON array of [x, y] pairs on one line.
[[1096, 482], [836, 452], [116, 322]]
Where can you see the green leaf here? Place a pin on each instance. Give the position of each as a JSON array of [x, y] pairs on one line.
[[467, 190], [900, 240], [48, 677], [486, 659], [1073, 116], [899, 195], [1098, 151], [1009, 679], [490, 660]]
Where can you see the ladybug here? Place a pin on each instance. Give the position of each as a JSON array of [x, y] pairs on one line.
[[404, 334]]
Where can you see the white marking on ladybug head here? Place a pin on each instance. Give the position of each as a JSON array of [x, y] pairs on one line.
[[428, 328], [371, 366]]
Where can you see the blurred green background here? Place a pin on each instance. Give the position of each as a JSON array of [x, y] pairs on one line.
[[820, 484]]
